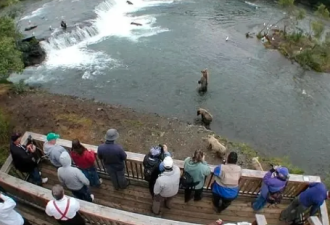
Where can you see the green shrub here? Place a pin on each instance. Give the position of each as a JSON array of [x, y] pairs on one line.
[[20, 87]]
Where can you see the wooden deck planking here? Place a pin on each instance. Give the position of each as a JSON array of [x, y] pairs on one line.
[[138, 200]]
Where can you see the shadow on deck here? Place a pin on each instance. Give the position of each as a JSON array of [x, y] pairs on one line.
[[136, 198]]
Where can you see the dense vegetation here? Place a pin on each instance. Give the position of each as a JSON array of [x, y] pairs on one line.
[[10, 55]]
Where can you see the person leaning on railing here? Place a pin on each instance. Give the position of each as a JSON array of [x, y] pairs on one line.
[[23, 159], [225, 187], [85, 161], [198, 169], [53, 150], [273, 185], [64, 209], [313, 197], [8, 215]]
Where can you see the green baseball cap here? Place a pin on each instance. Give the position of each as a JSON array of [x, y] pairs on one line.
[[52, 136]]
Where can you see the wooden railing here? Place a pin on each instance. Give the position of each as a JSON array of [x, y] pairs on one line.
[[249, 185]]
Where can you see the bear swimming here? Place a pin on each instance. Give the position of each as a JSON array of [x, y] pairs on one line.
[[203, 81]]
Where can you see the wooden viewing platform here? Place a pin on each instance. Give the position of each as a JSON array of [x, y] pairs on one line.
[[132, 205]]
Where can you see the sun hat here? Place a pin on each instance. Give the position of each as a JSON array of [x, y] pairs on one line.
[[52, 136], [111, 135], [168, 162]]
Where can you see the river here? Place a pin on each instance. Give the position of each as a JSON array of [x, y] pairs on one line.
[[255, 95]]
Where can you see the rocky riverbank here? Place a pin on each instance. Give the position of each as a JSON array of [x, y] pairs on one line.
[[88, 120]]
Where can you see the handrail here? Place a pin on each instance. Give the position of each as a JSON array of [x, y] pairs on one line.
[[98, 214]]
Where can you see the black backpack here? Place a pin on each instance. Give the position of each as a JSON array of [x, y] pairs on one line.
[[150, 164], [186, 181]]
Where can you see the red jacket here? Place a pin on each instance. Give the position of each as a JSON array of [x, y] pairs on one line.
[[84, 161]]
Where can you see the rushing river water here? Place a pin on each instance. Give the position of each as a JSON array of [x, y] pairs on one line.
[[255, 95]]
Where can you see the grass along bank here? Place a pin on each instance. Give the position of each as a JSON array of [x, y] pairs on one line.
[[310, 49]]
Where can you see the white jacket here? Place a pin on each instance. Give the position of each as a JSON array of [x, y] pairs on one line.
[[8, 216], [167, 184]]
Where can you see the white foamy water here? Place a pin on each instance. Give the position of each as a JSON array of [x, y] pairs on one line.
[[70, 50]]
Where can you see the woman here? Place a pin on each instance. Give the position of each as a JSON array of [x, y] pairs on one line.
[[274, 182], [84, 160], [198, 169]]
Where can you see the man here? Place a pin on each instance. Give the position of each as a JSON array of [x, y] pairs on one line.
[[113, 157], [226, 183], [52, 150], [8, 216], [23, 159], [64, 209], [74, 179], [166, 186], [312, 197]]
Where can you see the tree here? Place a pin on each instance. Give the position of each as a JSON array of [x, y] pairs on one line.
[[10, 56]]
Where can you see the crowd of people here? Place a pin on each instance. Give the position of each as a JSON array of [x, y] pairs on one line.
[[164, 178]]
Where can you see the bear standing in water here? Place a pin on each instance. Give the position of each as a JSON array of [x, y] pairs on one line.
[[203, 81]]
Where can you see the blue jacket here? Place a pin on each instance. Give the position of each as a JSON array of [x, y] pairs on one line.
[[271, 184], [314, 196], [225, 192], [113, 155]]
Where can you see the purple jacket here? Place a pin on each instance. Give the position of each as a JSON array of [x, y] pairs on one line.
[[272, 184]]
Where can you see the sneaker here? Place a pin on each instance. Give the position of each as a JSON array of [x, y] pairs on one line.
[[92, 196], [101, 181], [44, 180]]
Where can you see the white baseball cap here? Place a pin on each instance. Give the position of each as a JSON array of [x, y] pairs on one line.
[[168, 162]]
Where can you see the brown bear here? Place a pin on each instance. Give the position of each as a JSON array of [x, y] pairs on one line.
[[206, 117], [215, 146], [203, 81]]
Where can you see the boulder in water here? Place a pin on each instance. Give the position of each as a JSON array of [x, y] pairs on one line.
[[33, 54]]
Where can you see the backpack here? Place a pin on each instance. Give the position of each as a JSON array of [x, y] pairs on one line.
[[186, 181], [150, 164]]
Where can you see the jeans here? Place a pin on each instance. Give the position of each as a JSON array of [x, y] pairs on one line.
[[117, 177], [197, 194], [83, 194], [92, 176], [259, 203], [221, 203], [35, 176]]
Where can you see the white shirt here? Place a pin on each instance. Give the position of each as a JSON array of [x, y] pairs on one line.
[[74, 207], [8, 216]]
